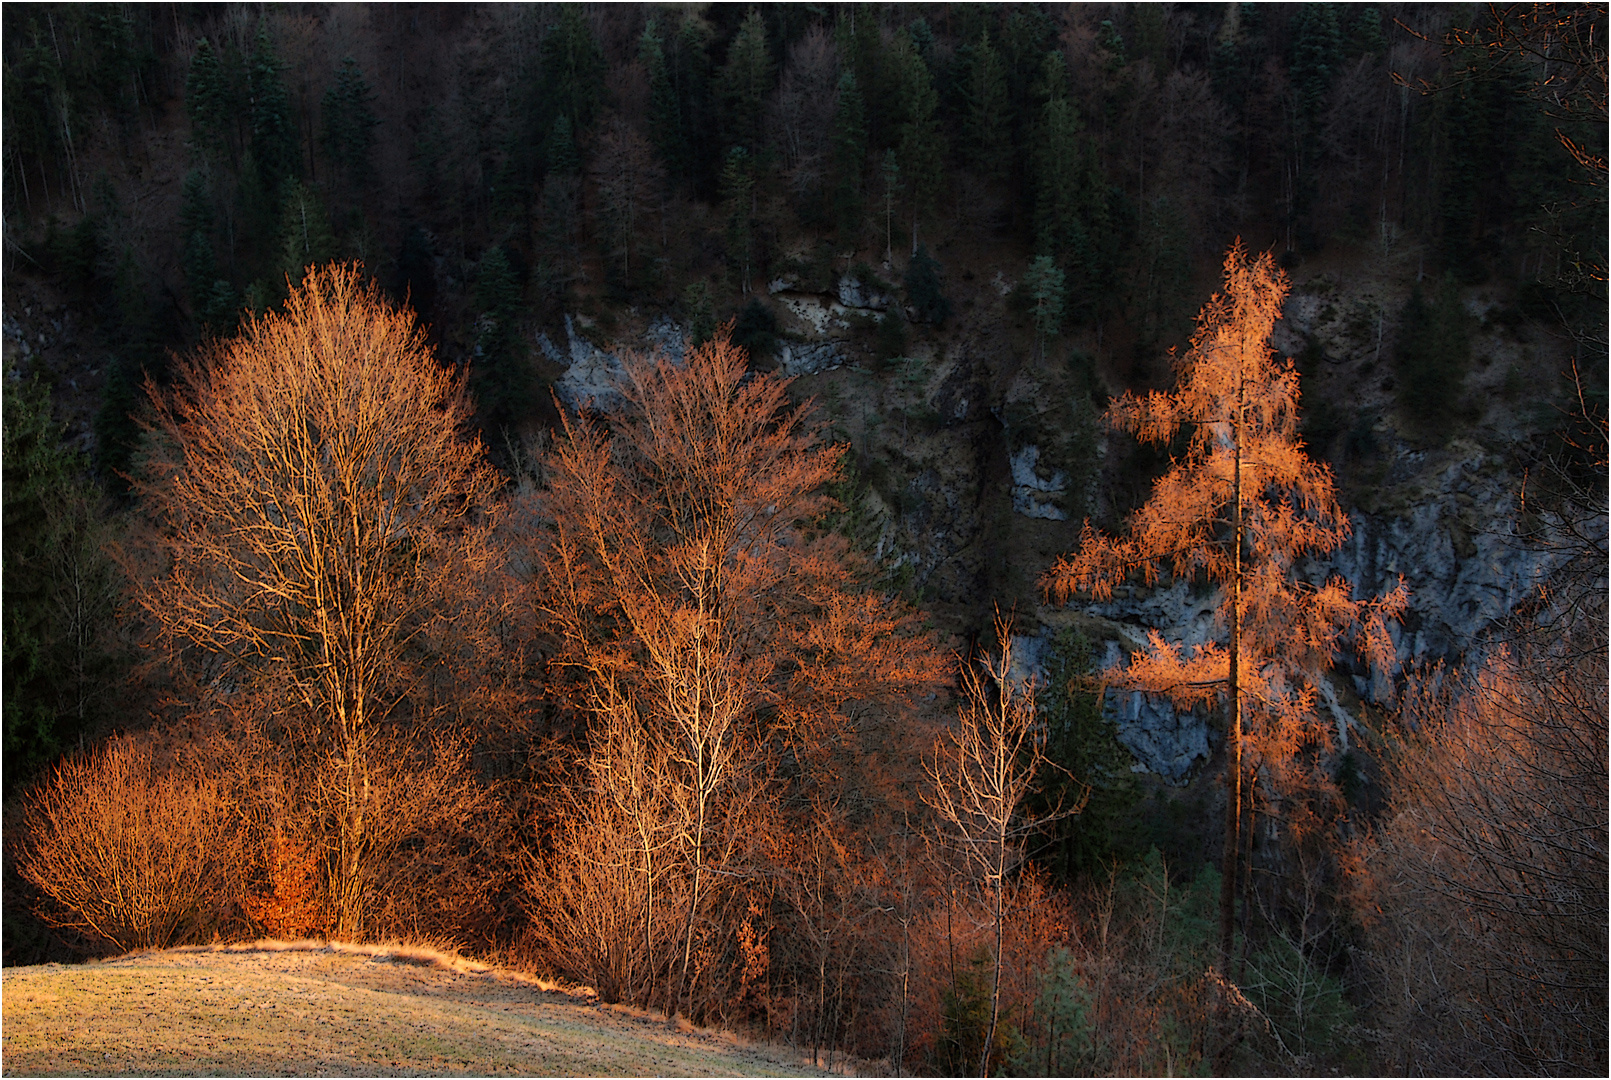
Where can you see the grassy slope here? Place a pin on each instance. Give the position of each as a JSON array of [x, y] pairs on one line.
[[267, 1010]]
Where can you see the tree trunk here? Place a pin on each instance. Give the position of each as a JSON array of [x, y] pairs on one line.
[[1233, 727]]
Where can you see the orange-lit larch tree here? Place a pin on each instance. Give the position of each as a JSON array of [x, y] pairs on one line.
[[1239, 507], [686, 579], [318, 513]]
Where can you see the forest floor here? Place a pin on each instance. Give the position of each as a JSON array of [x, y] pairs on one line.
[[311, 1009]]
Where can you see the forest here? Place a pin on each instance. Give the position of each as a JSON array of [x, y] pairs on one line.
[[963, 539]]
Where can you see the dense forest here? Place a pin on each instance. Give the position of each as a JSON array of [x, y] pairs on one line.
[[964, 538]]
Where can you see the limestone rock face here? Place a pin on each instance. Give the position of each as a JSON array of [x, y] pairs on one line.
[[1034, 495], [798, 359], [1447, 531], [855, 294], [592, 374]]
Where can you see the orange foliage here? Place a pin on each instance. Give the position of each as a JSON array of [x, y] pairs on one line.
[[291, 909], [321, 522], [716, 641], [1239, 507]]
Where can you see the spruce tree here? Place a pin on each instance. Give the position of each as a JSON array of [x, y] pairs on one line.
[[210, 104], [571, 69], [745, 81], [849, 154], [986, 134], [665, 113], [349, 126], [920, 147], [274, 140]]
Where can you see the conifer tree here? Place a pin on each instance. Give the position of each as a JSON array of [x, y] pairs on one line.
[[849, 153], [349, 126], [1239, 507], [920, 148], [665, 114], [274, 140], [1045, 284], [1434, 348], [571, 69], [745, 81], [986, 133], [196, 226], [738, 199], [210, 103]]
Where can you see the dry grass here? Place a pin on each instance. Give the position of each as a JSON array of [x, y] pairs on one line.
[[305, 1007]]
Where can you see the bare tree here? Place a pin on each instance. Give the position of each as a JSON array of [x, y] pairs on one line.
[[317, 513], [681, 578], [981, 773]]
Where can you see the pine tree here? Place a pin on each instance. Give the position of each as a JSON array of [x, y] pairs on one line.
[[1239, 507]]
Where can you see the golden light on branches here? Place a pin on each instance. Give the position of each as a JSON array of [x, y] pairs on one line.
[[1239, 507], [318, 514]]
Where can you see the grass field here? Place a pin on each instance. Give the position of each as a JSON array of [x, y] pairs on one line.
[[275, 1010]]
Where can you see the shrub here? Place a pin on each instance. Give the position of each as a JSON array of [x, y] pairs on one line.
[[134, 854]]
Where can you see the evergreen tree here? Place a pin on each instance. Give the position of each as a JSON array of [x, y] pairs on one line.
[[349, 126], [849, 155], [571, 70], [920, 148], [691, 73], [923, 288], [60, 589], [1087, 757], [665, 112], [274, 139], [1434, 351], [891, 175], [306, 239], [986, 132], [745, 81], [196, 226], [738, 205], [210, 103], [499, 374], [1044, 284]]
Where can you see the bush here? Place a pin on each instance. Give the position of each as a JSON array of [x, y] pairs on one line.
[[135, 854], [923, 288]]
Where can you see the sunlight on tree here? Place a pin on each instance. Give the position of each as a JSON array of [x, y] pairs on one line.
[[1239, 506], [319, 515]]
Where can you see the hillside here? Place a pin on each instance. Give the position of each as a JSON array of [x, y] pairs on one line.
[[270, 1009]]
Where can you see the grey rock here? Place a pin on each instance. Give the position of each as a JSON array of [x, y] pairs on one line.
[[1032, 494], [797, 359], [853, 294]]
